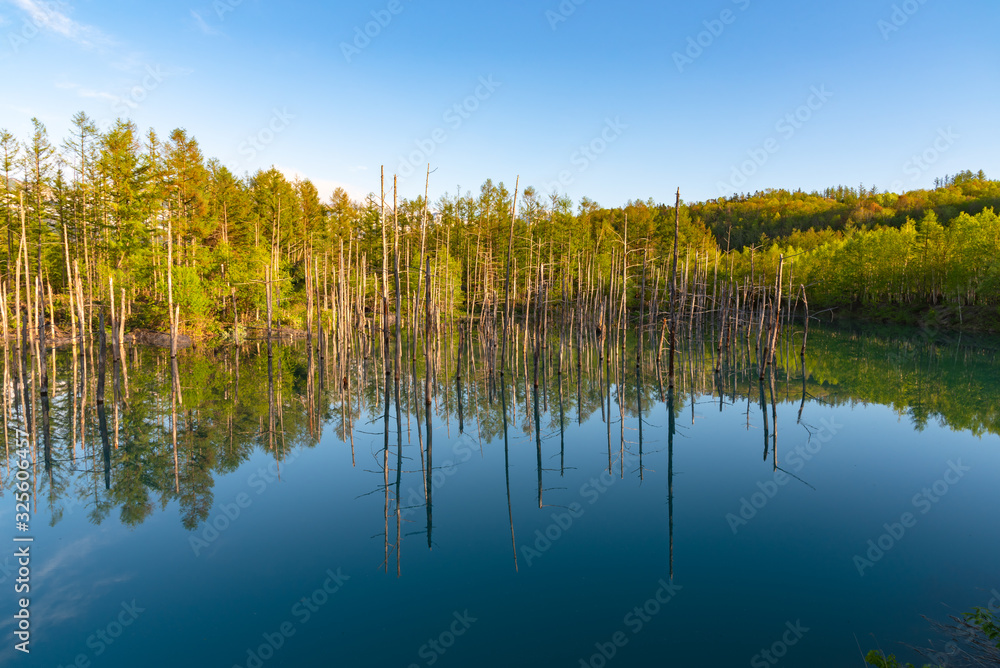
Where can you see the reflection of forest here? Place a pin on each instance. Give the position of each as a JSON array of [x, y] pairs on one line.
[[227, 403]]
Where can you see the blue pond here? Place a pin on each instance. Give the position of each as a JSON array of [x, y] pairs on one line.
[[284, 517]]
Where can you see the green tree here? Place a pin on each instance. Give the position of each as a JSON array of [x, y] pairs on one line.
[[38, 160], [9, 149]]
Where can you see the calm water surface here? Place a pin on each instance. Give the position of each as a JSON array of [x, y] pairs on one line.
[[294, 525]]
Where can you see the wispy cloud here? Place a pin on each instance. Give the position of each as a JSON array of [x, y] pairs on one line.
[[102, 95], [51, 16], [24, 111], [128, 62], [67, 594], [88, 93], [202, 25], [143, 82]]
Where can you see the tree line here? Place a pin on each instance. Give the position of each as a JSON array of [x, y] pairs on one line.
[[157, 222]]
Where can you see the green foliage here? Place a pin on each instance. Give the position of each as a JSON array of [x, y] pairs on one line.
[[974, 639], [955, 266], [126, 201], [987, 622], [746, 220], [880, 660]]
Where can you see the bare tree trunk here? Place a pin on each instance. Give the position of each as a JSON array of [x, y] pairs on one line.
[[805, 334], [673, 292], [69, 284], [773, 335], [427, 343], [423, 247], [79, 297], [40, 318], [385, 270], [267, 281], [27, 274], [506, 289], [395, 265], [170, 288]]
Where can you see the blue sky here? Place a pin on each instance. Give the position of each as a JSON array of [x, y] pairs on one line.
[[614, 101]]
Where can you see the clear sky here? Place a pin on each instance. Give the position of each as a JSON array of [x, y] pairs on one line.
[[610, 100]]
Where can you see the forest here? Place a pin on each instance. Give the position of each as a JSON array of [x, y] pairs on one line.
[[171, 235]]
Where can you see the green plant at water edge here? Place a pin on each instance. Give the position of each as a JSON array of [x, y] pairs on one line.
[[986, 622], [880, 660], [973, 639]]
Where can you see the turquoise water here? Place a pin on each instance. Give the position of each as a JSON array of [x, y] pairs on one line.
[[312, 545]]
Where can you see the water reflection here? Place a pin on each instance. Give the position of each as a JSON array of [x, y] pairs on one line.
[[168, 427]]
